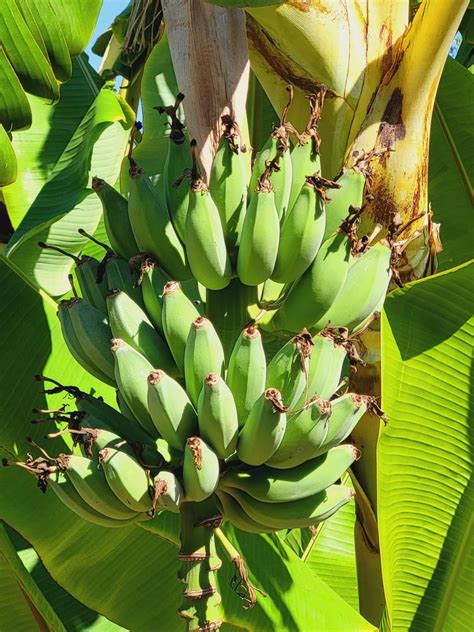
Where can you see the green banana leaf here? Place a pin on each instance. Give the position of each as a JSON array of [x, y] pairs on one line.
[[22, 604], [452, 164], [51, 198], [425, 487], [38, 40], [128, 574]]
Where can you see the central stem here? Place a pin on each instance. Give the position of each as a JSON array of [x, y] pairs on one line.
[[199, 564]]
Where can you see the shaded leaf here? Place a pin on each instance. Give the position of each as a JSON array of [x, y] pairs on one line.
[[452, 164], [424, 459]]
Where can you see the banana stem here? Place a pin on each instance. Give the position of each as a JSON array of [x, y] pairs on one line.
[[199, 564], [240, 581], [228, 310]]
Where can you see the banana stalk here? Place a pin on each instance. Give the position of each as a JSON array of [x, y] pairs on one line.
[[199, 564]]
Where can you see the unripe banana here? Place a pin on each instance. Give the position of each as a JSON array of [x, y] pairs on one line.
[[228, 183], [365, 286], [90, 483], [127, 479], [217, 416], [200, 470], [301, 233], [74, 346], [315, 292], [350, 193], [299, 513], [345, 413], [67, 494], [171, 410], [305, 158], [325, 367], [152, 227], [168, 491], [130, 323], [178, 161], [111, 418], [153, 282], [177, 317], [276, 150], [204, 237], [131, 372], [233, 512], [120, 277], [203, 354], [246, 373], [117, 222], [282, 486], [93, 334], [92, 291], [260, 235], [305, 434], [288, 369], [264, 429]]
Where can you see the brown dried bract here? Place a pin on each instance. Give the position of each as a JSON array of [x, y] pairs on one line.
[[273, 395], [194, 444]]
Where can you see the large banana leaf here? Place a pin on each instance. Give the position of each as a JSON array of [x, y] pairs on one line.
[[129, 574], [51, 198], [452, 164], [425, 491]]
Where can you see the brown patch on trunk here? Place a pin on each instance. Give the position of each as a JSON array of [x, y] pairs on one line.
[[285, 68], [392, 127], [306, 5]]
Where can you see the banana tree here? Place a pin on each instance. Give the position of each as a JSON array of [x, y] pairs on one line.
[[407, 565]]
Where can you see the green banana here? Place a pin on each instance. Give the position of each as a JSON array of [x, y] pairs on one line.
[[204, 236], [112, 419], [233, 512], [314, 293], [366, 284], [127, 479], [200, 470], [91, 485], [130, 323], [282, 486], [117, 222], [305, 159], [131, 372], [92, 333], [120, 277], [350, 192], [153, 282], [346, 411], [305, 434], [260, 235], [276, 151], [301, 233], [168, 491], [178, 161], [246, 373], [93, 292], [152, 226], [177, 317], [288, 369], [74, 346], [171, 410], [228, 183], [298, 513], [67, 494], [264, 429], [325, 367], [217, 416], [203, 354]]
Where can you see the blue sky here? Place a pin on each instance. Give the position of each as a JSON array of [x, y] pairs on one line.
[[110, 8]]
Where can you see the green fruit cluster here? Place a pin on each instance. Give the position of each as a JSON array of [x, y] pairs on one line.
[[257, 433]]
